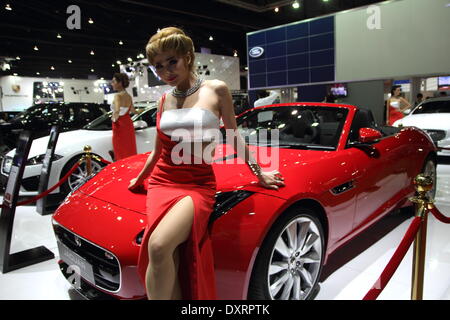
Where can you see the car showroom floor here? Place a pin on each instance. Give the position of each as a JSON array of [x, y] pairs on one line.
[[350, 273]]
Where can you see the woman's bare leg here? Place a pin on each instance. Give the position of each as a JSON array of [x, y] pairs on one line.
[[174, 229]]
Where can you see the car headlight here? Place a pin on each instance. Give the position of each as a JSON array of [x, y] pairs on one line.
[[40, 159], [7, 164], [227, 200]]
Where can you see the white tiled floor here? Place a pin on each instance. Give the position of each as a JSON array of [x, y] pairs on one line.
[[350, 281]]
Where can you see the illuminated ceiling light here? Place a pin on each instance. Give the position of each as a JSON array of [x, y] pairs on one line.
[[15, 74], [17, 58], [129, 59], [92, 70], [36, 48], [102, 78], [235, 53], [92, 52], [8, 7], [52, 68], [120, 42], [58, 36], [119, 62], [277, 9], [91, 21], [211, 38], [113, 65], [296, 5], [38, 73]]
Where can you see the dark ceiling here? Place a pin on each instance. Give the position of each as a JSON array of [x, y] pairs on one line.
[[38, 23]]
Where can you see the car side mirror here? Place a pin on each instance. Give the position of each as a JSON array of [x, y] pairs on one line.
[[369, 135], [140, 124]]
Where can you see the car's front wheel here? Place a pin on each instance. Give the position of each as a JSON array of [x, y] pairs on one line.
[[289, 262]]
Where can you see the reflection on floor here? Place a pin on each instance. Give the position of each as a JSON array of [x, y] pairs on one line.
[[350, 273]]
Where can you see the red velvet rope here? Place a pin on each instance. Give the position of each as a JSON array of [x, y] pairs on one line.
[[45, 193], [435, 211], [395, 261], [105, 161]]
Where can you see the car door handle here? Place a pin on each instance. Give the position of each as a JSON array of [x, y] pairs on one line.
[[343, 188]]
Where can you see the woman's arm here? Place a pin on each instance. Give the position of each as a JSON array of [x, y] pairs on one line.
[[116, 108], [388, 103], [267, 179], [150, 163], [406, 104]]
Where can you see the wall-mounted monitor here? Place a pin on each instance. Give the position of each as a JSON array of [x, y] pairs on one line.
[[444, 82], [338, 89]]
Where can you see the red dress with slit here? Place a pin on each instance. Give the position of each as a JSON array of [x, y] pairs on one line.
[[168, 184], [124, 137]]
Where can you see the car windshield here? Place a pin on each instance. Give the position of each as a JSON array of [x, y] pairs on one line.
[[46, 110], [442, 106], [104, 123], [300, 127]]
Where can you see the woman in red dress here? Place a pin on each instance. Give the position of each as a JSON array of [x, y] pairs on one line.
[[123, 139], [396, 104], [176, 259]]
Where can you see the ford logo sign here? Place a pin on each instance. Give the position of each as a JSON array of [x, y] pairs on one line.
[[256, 52]]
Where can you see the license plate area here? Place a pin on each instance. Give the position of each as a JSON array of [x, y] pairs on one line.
[[76, 263]]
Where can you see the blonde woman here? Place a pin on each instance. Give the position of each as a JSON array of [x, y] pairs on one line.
[[176, 259]]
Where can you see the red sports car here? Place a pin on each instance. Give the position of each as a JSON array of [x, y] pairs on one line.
[[343, 172]]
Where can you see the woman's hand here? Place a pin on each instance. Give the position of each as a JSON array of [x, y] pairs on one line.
[[271, 180], [134, 183]]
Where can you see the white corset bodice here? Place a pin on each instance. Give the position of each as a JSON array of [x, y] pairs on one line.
[[190, 124], [122, 110]]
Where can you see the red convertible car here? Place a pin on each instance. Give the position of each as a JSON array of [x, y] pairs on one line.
[[342, 171]]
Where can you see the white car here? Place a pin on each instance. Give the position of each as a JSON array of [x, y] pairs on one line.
[[432, 116], [69, 149]]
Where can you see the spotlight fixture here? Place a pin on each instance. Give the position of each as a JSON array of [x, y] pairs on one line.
[[113, 65], [296, 5], [119, 62], [15, 74], [69, 61], [92, 70], [235, 53], [129, 59], [92, 52], [120, 42], [36, 48], [38, 73], [58, 36], [277, 9], [211, 38], [52, 68], [91, 21], [8, 7], [17, 58]]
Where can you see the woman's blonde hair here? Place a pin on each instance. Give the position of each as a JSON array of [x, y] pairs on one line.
[[171, 38]]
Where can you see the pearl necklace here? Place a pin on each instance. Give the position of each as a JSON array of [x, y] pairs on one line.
[[183, 94]]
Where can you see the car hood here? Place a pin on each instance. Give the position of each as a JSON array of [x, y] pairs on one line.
[[438, 121], [111, 183], [69, 142]]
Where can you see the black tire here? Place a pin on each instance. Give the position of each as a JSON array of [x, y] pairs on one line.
[[429, 164], [67, 186], [293, 268]]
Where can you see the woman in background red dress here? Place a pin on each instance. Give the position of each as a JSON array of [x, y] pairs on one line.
[[396, 104], [123, 139], [176, 258]]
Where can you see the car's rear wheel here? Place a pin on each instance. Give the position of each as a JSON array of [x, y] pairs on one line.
[[429, 169], [79, 175], [289, 263]]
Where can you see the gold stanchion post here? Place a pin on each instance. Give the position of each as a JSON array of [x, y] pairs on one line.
[[423, 184], [88, 158]]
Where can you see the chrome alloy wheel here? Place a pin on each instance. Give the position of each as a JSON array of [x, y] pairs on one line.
[[295, 260], [80, 174], [430, 170]]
